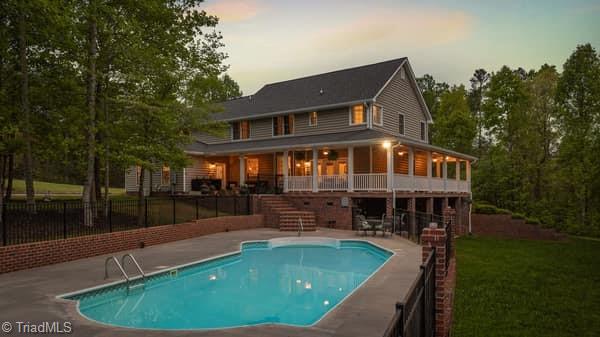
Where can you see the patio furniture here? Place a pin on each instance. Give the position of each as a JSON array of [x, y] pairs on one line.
[[383, 225], [362, 224]]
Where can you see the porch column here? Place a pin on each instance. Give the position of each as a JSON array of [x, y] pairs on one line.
[[445, 173], [350, 168], [390, 168], [429, 168], [242, 170], [457, 169], [315, 172], [411, 167], [285, 170], [184, 181]]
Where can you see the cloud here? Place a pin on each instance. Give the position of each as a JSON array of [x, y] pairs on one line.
[[416, 27], [234, 10]]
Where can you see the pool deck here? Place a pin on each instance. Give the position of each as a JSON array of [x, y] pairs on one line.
[[30, 295]]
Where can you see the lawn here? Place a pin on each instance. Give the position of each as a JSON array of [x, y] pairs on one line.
[[527, 288], [41, 187]]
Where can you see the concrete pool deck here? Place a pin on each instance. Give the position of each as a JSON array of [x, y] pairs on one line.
[[30, 295]]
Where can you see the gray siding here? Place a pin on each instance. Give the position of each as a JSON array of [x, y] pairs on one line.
[[212, 139], [399, 96], [261, 128], [328, 121]]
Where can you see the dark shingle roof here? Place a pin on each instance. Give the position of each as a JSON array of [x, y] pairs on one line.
[[341, 86]]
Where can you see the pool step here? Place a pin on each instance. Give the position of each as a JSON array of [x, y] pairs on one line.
[[281, 213]]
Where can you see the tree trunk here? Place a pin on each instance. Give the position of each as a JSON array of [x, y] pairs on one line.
[[3, 163], [97, 183], [141, 208], [10, 177], [25, 111], [91, 105]]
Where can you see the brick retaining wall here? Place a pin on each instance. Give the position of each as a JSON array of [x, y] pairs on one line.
[[37, 254], [503, 225]]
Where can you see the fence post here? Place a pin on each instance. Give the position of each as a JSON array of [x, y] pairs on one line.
[[65, 218], [248, 212], [145, 212], [216, 205], [234, 205], [196, 207], [174, 215], [110, 229]]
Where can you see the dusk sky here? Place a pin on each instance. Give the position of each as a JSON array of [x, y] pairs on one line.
[[269, 41]]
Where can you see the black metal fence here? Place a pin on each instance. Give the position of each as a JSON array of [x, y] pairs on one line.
[[413, 222], [415, 315], [54, 220]]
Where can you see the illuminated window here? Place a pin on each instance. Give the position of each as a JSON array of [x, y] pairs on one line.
[[377, 115], [358, 114], [252, 164], [165, 176], [283, 125], [240, 130], [312, 118]]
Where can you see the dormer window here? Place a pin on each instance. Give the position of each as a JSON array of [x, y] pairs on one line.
[[240, 130], [377, 114], [283, 125], [358, 114]]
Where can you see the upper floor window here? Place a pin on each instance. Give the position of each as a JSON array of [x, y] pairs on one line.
[[165, 176], [283, 125], [358, 114], [377, 114], [423, 131], [401, 124], [241, 130], [312, 118]]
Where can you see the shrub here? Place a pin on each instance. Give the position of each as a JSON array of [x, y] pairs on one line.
[[518, 216], [533, 221]]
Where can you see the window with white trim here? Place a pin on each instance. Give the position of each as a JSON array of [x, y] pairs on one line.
[[377, 114], [283, 125], [165, 176], [240, 130], [423, 131], [312, 118], [358, 114], [401, 124]]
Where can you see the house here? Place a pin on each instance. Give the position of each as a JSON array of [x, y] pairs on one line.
[[351, 138]]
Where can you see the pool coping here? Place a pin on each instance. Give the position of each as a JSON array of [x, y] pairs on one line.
[[62, 297]]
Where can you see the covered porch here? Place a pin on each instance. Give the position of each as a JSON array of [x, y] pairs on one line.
[[381, 166]]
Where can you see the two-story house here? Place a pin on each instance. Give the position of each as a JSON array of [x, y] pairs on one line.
[[356, 137]]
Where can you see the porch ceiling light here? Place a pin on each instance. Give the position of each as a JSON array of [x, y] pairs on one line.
[[297, 164], [401, 153], [212, 165], [307, 163], [387, 144], [325, 152]]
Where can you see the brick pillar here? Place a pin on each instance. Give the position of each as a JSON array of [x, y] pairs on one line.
[[436, 238], [450, 217], [389, 207]]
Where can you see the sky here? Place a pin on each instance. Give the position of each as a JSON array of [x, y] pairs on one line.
[[274, 40]]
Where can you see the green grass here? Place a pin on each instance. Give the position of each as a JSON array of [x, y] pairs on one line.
[[41, 187], [527, 288]]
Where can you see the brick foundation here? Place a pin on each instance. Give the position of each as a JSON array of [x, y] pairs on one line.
[[37, 254], [504, 226]]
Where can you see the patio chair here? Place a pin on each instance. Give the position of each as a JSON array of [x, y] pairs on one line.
[[362, 225], [384, 226]]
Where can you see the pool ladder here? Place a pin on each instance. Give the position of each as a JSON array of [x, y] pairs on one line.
[[122, 270]]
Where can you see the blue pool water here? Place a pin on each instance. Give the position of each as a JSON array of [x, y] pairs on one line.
[[267, 282]]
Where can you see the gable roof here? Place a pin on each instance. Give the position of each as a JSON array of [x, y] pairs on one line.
[[341, 87]]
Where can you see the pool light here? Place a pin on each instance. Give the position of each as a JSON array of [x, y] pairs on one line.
[[326, 302], [212, 277], [307, 285]]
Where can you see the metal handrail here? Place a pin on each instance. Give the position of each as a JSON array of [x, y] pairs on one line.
[[300, 227], [137, 265], [113, 258]]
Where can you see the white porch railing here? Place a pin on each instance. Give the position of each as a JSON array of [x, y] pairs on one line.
[[333, 183], [299, 183], [370, 182], [437, 185], [421, 183], [403, 182], [464, 186], [451, 185]]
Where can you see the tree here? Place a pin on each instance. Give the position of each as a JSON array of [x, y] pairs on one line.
[[578, 95], [455, 126], [479, 82]]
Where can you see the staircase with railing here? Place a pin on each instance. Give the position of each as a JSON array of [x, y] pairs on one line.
[[281, 214]]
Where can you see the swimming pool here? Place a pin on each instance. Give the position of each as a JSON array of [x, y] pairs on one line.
[[281, 281]]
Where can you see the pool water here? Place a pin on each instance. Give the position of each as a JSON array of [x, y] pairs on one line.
[[293, 284]]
